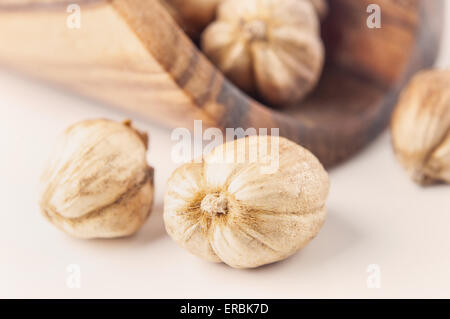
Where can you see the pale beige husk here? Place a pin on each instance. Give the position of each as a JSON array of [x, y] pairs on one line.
[[97, 183], [421, 127], [269, 48], [226, 210]]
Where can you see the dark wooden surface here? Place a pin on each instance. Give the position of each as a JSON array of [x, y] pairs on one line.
[[365, 70]]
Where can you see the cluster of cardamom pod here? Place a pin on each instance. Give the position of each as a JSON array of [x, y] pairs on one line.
[[271, 49], [97, 184]]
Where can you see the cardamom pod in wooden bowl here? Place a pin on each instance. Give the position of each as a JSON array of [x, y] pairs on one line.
[[132, 54]]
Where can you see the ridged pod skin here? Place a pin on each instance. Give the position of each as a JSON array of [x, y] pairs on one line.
[[224, 209], [421, 127], [269, 48], [97, 183]]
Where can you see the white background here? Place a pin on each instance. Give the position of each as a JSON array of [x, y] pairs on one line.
[[376, 216]]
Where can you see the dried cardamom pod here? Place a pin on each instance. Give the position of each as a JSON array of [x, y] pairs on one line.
[[421, 127], [269, 48], [97, 183], [229, 209]]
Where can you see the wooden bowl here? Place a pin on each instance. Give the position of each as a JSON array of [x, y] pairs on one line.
[[131, 54]]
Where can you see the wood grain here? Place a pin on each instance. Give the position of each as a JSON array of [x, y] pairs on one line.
[[131, 54]]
